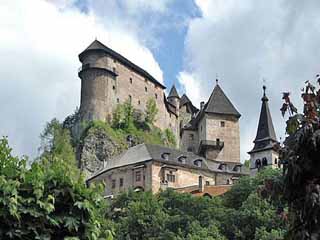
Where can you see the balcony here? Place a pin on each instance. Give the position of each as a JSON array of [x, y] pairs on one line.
[[209, 144]]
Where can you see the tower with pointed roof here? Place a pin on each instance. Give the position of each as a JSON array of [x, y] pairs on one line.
[[266, 147], [174, 97], [214, 132]]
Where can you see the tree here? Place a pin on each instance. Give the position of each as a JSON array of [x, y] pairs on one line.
[[151, 111], [300, 157], [45, 202]]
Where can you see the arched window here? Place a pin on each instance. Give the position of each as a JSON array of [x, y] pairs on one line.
[[264, 162], [258, 163]]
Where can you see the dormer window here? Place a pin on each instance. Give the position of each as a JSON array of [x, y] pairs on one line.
[[182, 159], [223, 166], [198, 163], [165, 156]]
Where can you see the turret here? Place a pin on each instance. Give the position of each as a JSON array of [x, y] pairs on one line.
[[96, 74], [174, 98], [266, 146]]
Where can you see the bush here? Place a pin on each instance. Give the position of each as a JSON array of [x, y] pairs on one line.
[[45, 202]]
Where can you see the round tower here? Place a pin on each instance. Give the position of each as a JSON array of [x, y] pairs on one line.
[[174, 98], [94, 73]]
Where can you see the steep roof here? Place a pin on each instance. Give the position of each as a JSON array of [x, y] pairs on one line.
[[266, 136], [173, 92], [219, 103], [184, 99], [98, 46]]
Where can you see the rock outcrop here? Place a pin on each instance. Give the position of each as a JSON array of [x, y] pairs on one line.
[[95, 149]]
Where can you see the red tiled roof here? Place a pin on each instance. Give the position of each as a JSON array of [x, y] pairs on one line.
[[215, 190]]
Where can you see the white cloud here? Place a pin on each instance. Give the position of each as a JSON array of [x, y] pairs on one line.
[[246, 41], [40, 42]]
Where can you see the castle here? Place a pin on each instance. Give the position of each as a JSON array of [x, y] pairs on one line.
[[208, 138]]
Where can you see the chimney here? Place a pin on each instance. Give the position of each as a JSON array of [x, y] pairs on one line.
[[201, 185], [201, 105]]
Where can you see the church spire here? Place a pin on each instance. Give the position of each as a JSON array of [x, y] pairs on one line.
[[266, 136]]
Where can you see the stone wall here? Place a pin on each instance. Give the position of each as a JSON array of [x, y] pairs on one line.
[[152, 176], [101, 92], [226, 129], [189, 140]]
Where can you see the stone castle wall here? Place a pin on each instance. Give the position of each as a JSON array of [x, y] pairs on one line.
[[226, 129]]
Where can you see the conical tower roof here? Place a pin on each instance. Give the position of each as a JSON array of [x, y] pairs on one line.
[[266, 136], [219, 103], [173, 92]]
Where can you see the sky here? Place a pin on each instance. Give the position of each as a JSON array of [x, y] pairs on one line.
[[188, 43]]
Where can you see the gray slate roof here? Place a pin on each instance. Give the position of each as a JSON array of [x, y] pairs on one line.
[[266, 137], [184, 100], [220, 103], [173, 92], [98, 46], [142, 153]]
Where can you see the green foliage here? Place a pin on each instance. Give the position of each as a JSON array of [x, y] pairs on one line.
[[170, 138], [56, 142], [46, 202], [151, 111], [123, 117], [300, 157], [182, 216]]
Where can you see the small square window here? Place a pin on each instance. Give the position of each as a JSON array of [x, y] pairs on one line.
[[207, 183], [222, 124], [138, 176], [121, 182], [113, 183]]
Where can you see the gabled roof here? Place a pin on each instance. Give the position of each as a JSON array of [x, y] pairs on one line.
[[173, 92], [98, 46], [184, 100], [266, 136], [219, 103]]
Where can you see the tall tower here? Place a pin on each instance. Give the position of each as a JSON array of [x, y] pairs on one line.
[[96, 75], [218, 128], [266, 147], [174, 98]]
